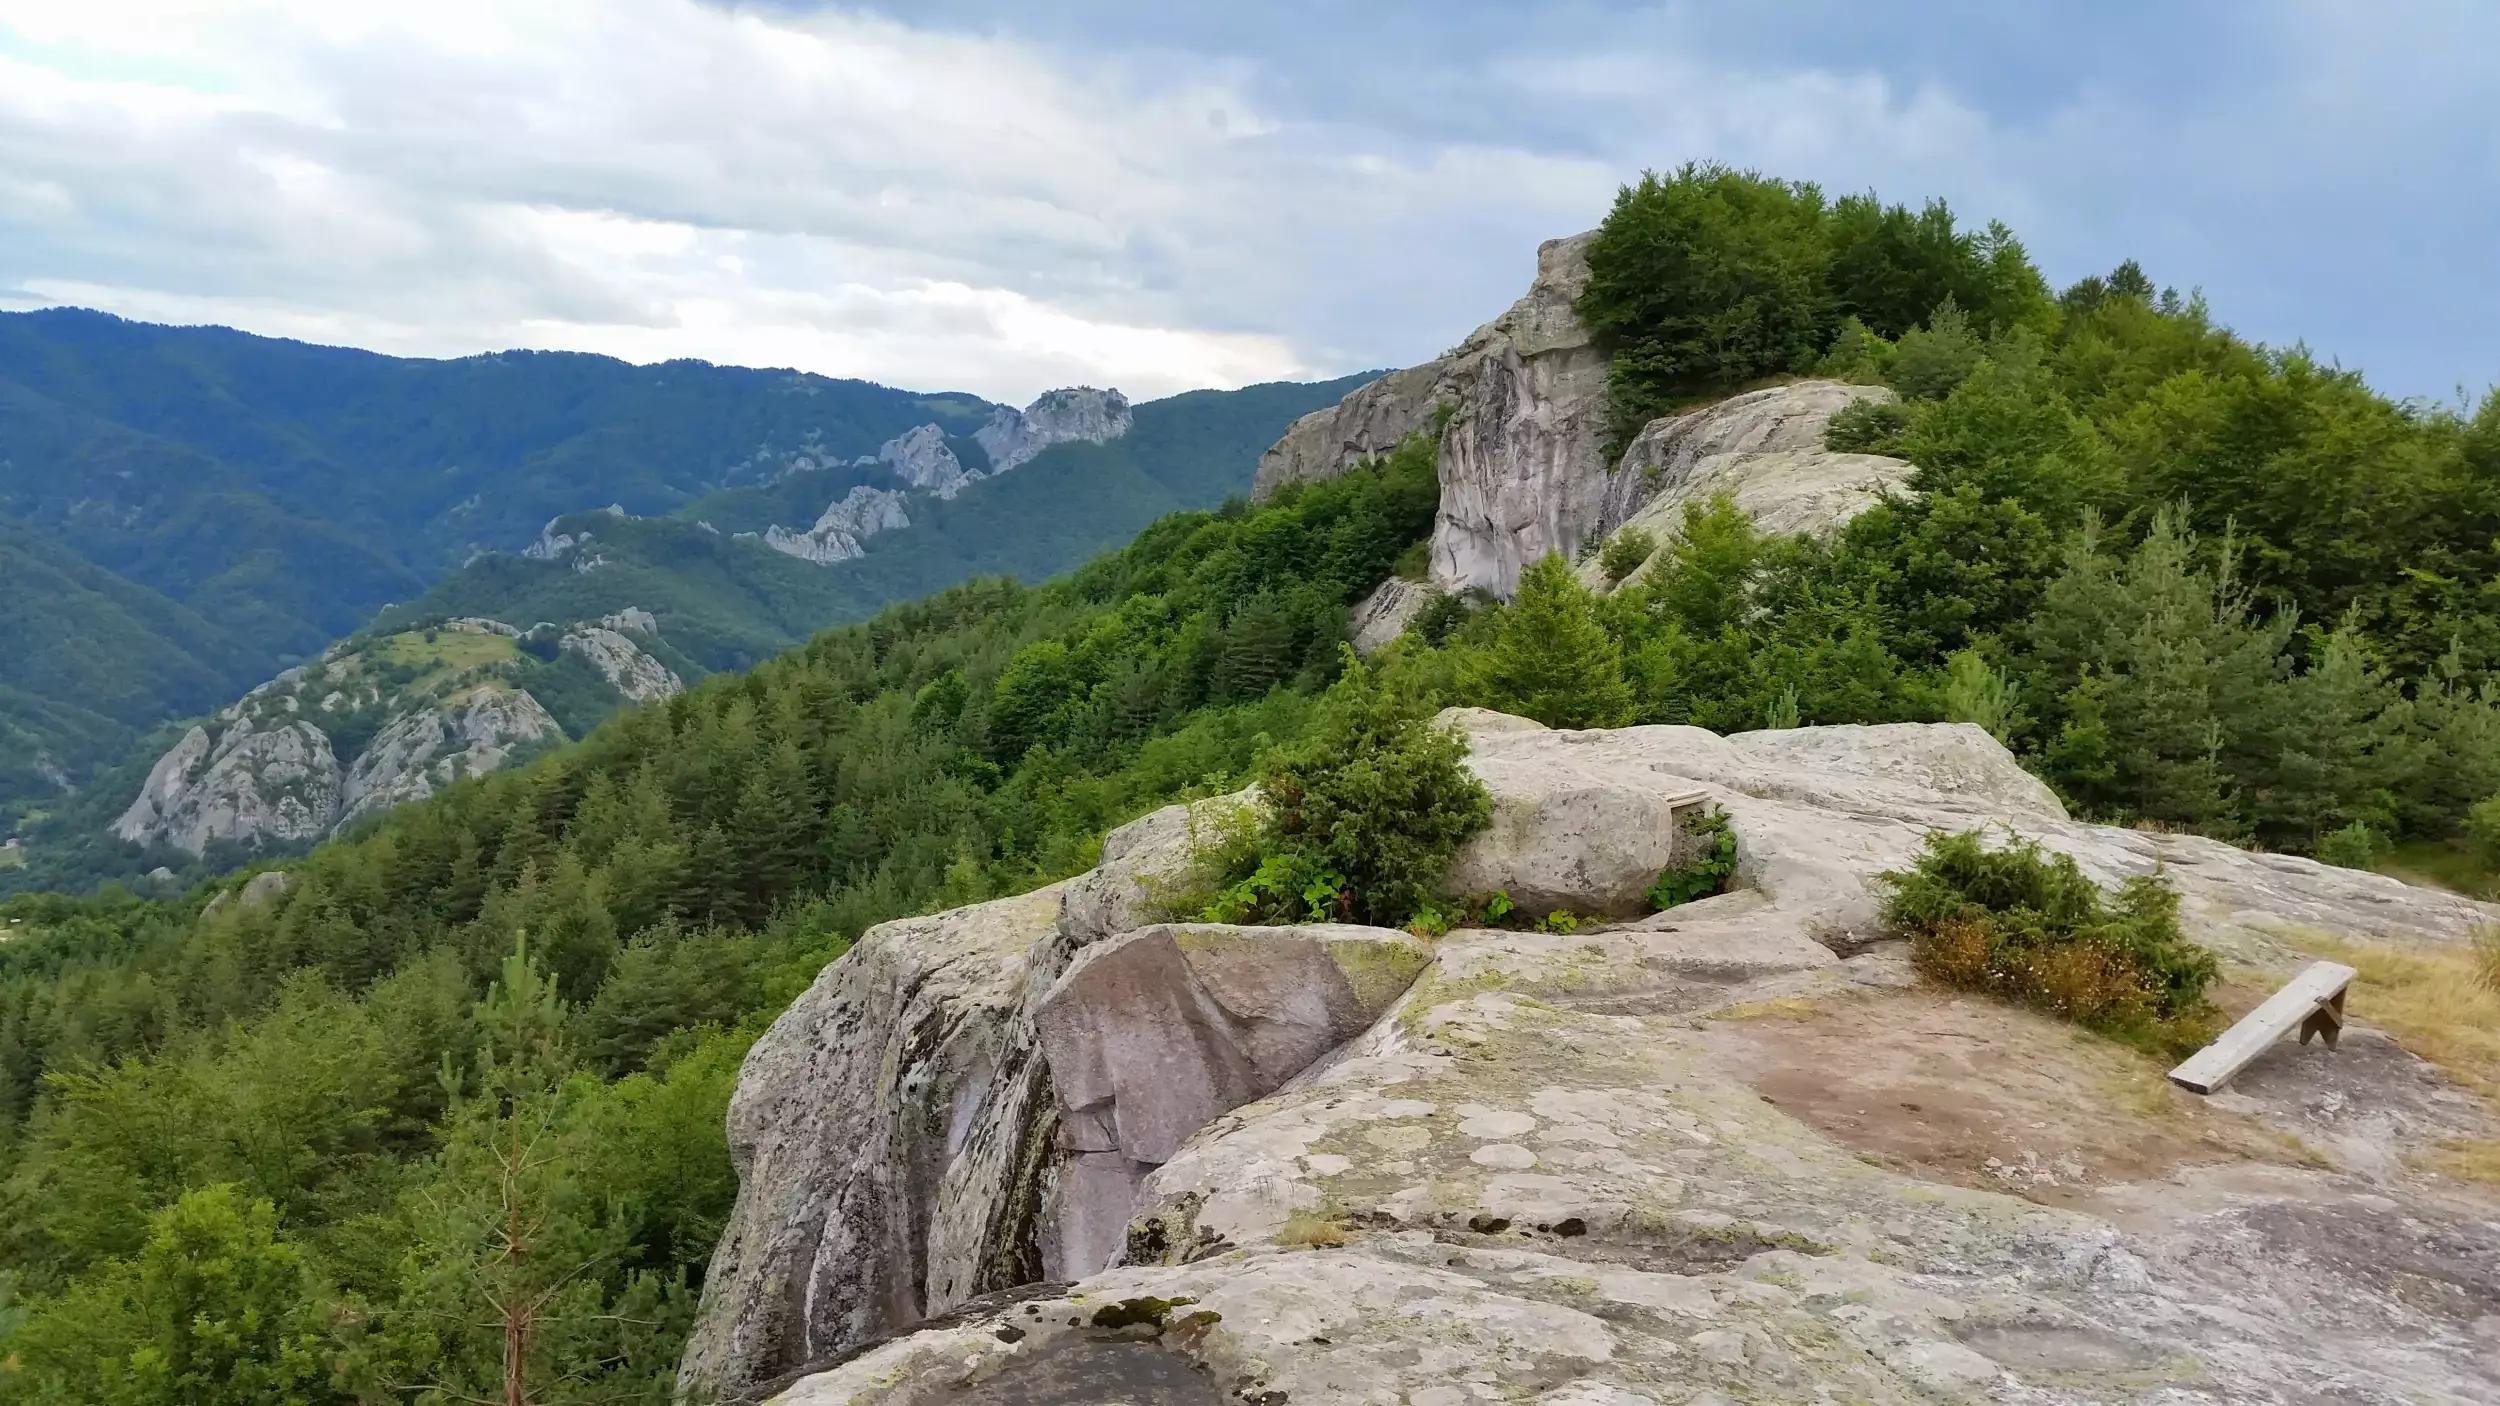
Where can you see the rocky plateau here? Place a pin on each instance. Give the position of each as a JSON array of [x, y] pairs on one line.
[[1054, 1149]]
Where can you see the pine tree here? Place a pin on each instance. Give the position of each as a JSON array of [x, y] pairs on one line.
[[1550, 659]]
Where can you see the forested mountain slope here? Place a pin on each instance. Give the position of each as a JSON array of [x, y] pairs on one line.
[[273, 495], [319, 1082]]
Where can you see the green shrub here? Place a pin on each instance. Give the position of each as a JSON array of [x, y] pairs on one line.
[[1867, 427], [2028, 926], [1550, 657], [2482, 831], [1360, 819], [1709, 862], [2356, 846], [1624, 553]]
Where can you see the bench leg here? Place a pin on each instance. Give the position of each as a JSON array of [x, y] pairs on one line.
[[2327, 1020]]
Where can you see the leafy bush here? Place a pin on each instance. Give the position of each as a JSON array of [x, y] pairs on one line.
[[2025, 925], [1361, 818], [1624, 553], [1709, 861], [2355, 846]]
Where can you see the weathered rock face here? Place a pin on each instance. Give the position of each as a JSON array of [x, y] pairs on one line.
[[897, 1141], [1386, 612], [920, 458], [1062, 416], [634, 674], [840, 530], [419, 753], [1701, 1157], [1522, 460], [267, 771], [1150, 1035], [256, 782]]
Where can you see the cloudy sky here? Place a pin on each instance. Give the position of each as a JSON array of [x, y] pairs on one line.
[[981, 196]]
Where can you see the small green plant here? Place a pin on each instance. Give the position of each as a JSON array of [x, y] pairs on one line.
[[1561, 920], [2028, 926], [1625, 552], [1976, 691], [1708, 863], [1781, 713], [2356, 846]]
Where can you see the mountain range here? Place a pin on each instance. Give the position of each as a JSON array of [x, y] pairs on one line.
[[188, 512]]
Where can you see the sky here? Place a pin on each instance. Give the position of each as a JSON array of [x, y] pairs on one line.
[[1006, 197]]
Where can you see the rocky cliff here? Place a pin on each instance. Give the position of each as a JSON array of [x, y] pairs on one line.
[[923, 462], [378, 722], [1521, 410], [1069, 1155]]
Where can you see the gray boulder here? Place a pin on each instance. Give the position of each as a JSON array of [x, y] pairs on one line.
[[1386, 613]]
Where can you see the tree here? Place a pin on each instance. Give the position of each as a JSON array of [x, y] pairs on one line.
[[1549, 658], [215, 1309]]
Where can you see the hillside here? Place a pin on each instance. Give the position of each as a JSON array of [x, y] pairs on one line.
[[202, 508], [1616, 1100]]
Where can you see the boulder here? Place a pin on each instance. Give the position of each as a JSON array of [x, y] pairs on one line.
[[1700, 1156], [1152, 1034]]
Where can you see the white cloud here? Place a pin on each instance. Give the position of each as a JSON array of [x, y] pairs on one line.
[[860, 196]]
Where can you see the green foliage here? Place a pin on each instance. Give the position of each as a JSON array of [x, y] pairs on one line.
[[1976, 691], [1706, 864], [212, 1309], [1361, 818], [2356, 846], [1624, 552], [2482, 830], [2026, 925], [1549, 658], [1867, 426], [372, 1055], [1931, 360]]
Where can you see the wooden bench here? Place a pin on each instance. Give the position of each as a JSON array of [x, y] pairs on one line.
[[2313, 1002]]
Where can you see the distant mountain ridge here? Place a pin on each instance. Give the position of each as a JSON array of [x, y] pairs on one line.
[[191, 510]]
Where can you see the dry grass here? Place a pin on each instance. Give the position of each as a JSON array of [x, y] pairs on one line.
[[2469, 1159], [2439, 1002]]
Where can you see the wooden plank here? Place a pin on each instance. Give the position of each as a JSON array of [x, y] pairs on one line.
[[2312, 1002]]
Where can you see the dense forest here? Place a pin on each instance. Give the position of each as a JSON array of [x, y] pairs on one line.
[[275, 1151]]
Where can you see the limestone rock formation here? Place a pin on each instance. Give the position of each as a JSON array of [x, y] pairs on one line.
[[420, 752], [254, 782], [555, 546], [1696, 1156], [1386, 612], [1521, 456], [417, 710], [1069, 414], [634, 674], [838, 532], [921, 459]]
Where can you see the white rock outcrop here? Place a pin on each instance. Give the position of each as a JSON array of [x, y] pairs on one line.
[[921, 459], [632, 672], [253, 783], [1067, 415], [840, 531], [1550, 1169], [419, 753], [1521, 455]]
